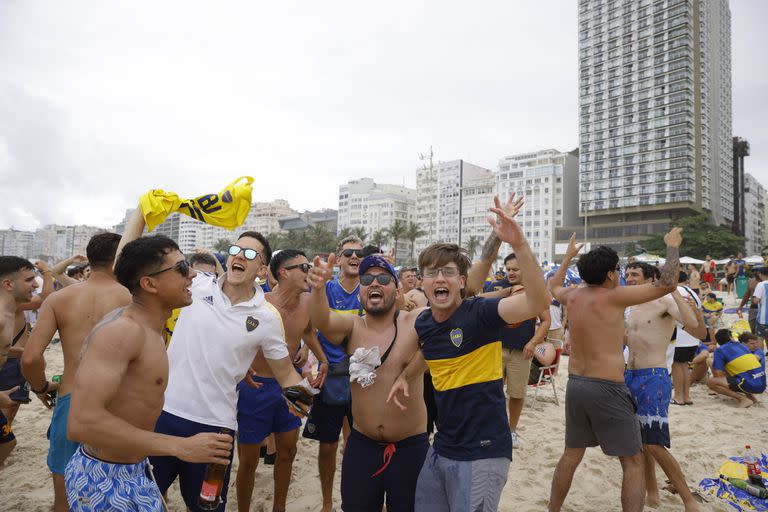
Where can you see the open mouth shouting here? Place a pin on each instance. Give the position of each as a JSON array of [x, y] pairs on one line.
[[441, 294], [238, 267], [375, 297]]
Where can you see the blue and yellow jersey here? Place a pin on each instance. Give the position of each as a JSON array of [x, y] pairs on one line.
[[343, 302], [464, 357], [739, 363]]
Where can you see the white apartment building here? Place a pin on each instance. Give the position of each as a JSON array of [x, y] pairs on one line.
[[754, 215], [655, 114], [16, 243], [548, 179], [376, 206], [442, 193]]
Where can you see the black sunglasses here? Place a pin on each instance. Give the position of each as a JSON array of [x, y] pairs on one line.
[[182, 267], [303, 266], [249, 254], [347, 253], [383, 279]]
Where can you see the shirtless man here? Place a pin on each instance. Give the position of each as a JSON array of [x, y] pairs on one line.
[[263, 411], [386, 447], [598, 407], [117, 392], [73, 312], [649, 328], [17, 284]]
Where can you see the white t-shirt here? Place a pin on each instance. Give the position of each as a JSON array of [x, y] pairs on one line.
[[683, 338], [762, 308], [556, 313], [213, 346]]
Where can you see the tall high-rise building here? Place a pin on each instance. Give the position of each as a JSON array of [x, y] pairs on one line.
[[448, 195], [655, 115], [545, 179], [754, 215]]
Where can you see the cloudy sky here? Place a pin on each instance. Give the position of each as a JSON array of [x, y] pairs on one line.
[[102, 101]]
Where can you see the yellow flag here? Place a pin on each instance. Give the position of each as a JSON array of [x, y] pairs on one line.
[[227, 209]]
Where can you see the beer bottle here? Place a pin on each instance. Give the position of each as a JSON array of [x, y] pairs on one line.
[[54, 394], [213, 481]]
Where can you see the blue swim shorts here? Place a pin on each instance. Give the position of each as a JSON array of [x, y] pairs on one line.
[[651, 389], [95, 485], [61, 449], [262, 411]]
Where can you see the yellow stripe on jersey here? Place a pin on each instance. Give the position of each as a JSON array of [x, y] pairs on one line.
[[741, 364], [480, 365], [170, 326], [279, 318], [355, 311]]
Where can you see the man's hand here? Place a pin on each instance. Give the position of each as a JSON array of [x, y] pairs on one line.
[[300, 359], [504, 225], [390, 256], [513, 205], [47, 397], [400, 385], [530, 347], [409, 304], [674, 238], [206, 447], [299, 399], [249, 379], [5, 398], [321, 272], [573, 248], [738, 313], [322, 374]]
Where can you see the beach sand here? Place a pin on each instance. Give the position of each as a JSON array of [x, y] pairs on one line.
[[703, 437]]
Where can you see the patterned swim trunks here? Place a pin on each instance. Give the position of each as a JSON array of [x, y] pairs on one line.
[[651, 388]]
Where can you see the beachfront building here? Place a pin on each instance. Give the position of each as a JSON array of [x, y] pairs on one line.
[[14, 242], [545, 179], [754, 215], [655, 115], [450, 195]]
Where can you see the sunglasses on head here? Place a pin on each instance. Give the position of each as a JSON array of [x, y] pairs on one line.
[[347, 253], [249, 254], [303, 266], [383, 279], [182, 267]]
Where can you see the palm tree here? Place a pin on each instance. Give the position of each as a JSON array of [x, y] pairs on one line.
[[379, 237], [360, 233], [471, 245], [414, 232], [222, 245], [396, 232], [344, 233]]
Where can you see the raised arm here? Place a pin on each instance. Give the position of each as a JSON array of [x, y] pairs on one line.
[[133, 230], [110, 351], [557, 281], [334, 326], [33, 359], [632, 295], [536, 299]]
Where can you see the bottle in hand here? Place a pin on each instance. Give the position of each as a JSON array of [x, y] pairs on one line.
[[213, 481]]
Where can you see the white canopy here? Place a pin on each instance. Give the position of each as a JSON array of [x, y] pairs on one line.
[[648, 257], [688, 260], [754, 259]]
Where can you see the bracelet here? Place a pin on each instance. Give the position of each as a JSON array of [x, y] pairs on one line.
[[40, 392]]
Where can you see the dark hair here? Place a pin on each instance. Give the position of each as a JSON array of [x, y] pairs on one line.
[[140, 257], [267, 256], [649, 271], [370, 249], [596, 264], [746, 337], [682, 276], [441, 254], [73, 271], [656, 273], [403, 270], [510, 256], [764, 271], [101, 249], [723, 336], [281, 258], [203, 258], [12, 264]]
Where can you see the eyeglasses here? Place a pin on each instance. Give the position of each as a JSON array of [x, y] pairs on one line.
[[347, 253], [447, 271], [303, 266], [249, 254], [182, 267], [383, 279]]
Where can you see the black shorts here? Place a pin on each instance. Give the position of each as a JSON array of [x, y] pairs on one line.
[[601, 412], [372, 469], [684, 354], [6, 434], [324, 421], [730, 278]]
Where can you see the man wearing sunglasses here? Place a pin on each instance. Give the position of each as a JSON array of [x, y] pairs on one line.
[[263, 411], [386, 447], [467, 466], [214, 342], [330, 411]]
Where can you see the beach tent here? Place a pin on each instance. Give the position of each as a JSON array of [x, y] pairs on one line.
[[752, 260], [688, 260], [649, 258]]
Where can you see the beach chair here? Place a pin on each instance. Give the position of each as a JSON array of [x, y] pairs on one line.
[[547, 376]]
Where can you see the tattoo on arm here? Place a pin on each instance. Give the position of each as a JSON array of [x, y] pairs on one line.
[[491, 247], [669, 270]]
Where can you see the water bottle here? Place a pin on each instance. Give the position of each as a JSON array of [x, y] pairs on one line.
[[753, 467], [54, 394], [213, 481], [745, 485]]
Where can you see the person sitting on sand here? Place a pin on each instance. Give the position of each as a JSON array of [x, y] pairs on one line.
[[713, 310], [738, 373]]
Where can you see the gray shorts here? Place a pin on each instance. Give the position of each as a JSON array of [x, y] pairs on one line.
[[447, 485], [601, 412]]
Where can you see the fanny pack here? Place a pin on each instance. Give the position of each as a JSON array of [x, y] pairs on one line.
[[336, 389]]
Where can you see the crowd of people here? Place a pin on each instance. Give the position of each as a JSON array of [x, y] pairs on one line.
[[172, 363]]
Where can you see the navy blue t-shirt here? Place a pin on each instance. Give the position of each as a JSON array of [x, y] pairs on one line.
[[515, 336], [464, 357]]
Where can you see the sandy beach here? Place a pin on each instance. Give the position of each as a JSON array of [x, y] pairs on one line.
[[704, 435]]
